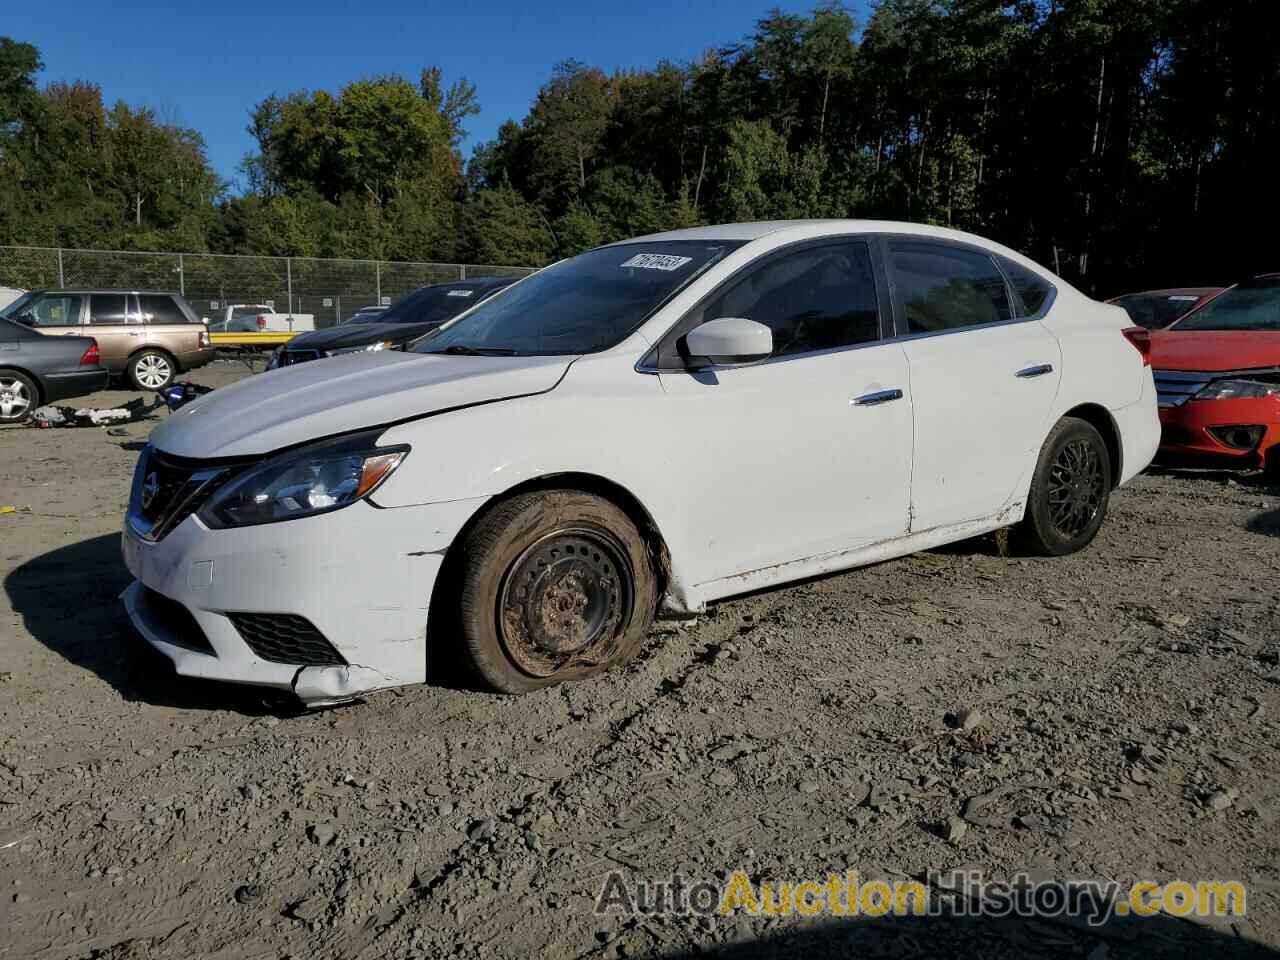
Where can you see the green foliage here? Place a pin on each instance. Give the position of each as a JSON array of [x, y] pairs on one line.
[[1117, 138]]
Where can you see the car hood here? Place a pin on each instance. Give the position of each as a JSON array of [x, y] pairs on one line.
[[358, 335], [1214, 350], [309, 401]]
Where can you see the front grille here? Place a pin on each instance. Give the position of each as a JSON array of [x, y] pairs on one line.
[[175, 622], [169, 490], [1176, 387], [289, 357], [286, 638]]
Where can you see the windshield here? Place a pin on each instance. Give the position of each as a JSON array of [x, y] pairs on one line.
[[582, 305], [15, 308], [434, 304], [1254, 305], [1155, 311]]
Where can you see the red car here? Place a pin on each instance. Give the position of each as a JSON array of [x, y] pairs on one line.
[[1217, 373], [1157, 309]]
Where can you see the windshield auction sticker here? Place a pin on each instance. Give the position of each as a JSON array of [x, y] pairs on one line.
[[656, 261], [967, 893]]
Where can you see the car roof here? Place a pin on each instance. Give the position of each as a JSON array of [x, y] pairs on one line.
[[763, 228], [1171, 292], [163, 293]]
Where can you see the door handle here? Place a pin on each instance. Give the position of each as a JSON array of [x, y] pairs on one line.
[[878, 397], [1039, 370]]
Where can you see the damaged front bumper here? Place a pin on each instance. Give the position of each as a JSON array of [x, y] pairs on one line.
[[325, 607]]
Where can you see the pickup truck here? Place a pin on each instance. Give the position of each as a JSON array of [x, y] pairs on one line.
[[259, 318]]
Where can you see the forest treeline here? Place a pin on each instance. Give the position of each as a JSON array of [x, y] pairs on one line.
[[1122, 142]]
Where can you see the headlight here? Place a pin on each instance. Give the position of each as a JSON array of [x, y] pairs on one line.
[[368, 348], [1238, 390], [305, 482]]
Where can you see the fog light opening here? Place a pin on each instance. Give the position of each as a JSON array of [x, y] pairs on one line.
[[1239, 437]]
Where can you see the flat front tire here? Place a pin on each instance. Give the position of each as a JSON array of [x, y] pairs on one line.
[[1069, 491], [554, 585]]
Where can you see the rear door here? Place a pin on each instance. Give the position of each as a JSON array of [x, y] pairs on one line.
[[983, 379], [116, 323], [167, 327]]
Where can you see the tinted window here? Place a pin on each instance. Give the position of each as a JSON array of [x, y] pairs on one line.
[[947, 288], [1031, 288], [581, 305], [428, 305], [106, 308], [157, 308], [1155, 311], [814, 299], [56, 310], [1254, 305]]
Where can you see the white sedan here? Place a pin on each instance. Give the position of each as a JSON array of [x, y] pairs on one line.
[[642, 429]]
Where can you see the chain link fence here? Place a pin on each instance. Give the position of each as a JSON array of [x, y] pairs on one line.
[[329, 290]]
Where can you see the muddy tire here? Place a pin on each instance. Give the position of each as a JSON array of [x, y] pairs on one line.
[[19, 396], [554, 585], [1069, 492], [151, 370]]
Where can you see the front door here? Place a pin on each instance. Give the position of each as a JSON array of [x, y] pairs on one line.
[[809, 452], [55, 314], [114, 321], [983, 381]]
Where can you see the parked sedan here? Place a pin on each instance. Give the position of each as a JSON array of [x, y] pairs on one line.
[[1157, 309], [415, 316], [147, 336], [1217, 371], [650, 426], [36, 369]]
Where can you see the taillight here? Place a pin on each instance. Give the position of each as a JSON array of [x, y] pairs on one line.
[[1141, 340], [204, 338], [262, 322], [90, 357]]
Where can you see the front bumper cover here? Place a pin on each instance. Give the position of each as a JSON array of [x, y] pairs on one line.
[[363, 576]]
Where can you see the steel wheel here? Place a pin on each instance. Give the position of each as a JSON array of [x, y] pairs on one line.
[[1076, 488], [565, 601], [16, 398]]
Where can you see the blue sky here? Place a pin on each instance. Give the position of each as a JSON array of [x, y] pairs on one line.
[[205, 65]]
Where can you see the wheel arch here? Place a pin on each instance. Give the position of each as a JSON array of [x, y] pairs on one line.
[[450, 569], [152, 348], [1099, 417]]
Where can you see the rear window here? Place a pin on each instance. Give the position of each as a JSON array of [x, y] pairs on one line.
[[239, 313]]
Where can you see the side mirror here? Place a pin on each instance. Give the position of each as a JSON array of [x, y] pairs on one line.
[[729, 341], [26, 319]]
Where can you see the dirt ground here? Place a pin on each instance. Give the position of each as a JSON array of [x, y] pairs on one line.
[[1123, 710]]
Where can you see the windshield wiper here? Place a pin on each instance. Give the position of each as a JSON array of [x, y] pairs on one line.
[[461, 350]]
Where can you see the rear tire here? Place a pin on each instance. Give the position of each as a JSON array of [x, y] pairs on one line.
[[19, 396], [151, 370], [1069, 492], [554, 585]]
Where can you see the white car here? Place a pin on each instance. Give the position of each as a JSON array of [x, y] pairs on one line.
[[642, 429]]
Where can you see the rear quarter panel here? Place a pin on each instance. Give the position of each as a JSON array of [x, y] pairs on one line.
[[1099, 365]]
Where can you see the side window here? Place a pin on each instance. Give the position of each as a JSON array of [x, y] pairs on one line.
[[106, 308], [57, 310], [815, 299], [947, 288], [1032, 289], [158, 308]]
